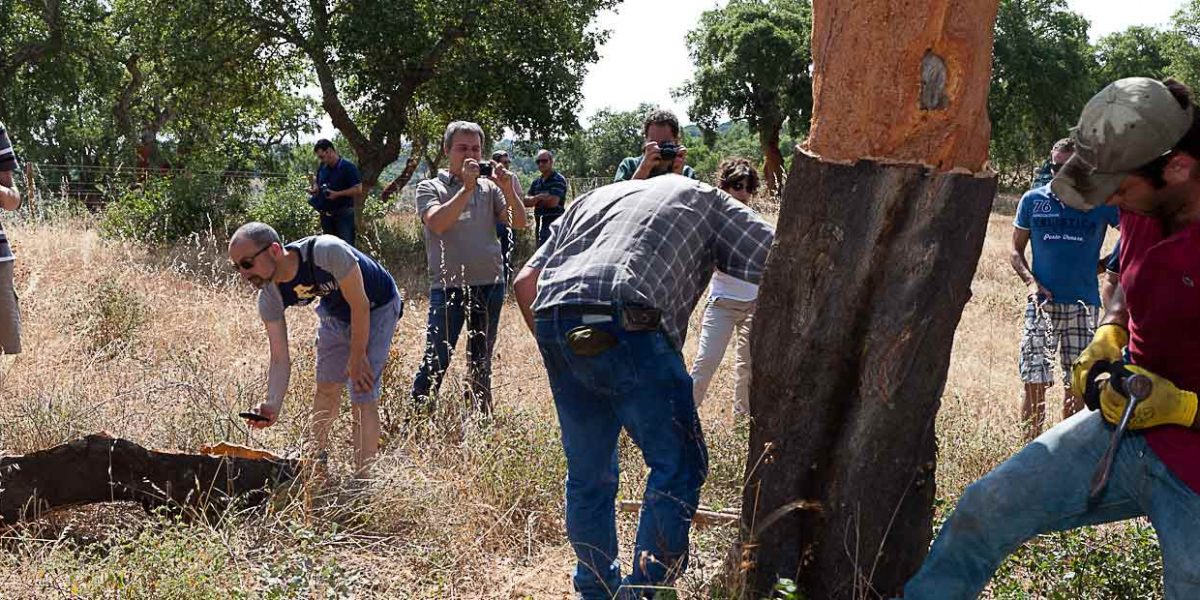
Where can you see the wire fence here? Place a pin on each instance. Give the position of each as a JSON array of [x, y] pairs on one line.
[[93, 186], [51, 186]]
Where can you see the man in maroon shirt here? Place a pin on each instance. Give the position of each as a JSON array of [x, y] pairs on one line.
[[1137, 147]]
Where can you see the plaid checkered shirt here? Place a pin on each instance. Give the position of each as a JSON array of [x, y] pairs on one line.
[[652, 242]]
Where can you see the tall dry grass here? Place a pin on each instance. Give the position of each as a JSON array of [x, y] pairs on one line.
[[165, 348]]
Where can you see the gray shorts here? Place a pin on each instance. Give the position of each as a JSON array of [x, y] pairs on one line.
[[333, 348], [1054, 329], [10, 314]]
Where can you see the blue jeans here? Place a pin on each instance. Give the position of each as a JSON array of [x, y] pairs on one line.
[[640, 385], [543, 226], [340, 223], [1044, 488], [477, 306]]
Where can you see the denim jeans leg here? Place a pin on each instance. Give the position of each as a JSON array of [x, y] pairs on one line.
[[446, 317], [344, 223], [543, 227], [590, 430], [1174, 510], [483, 320], [660, 416], [1040, 489]]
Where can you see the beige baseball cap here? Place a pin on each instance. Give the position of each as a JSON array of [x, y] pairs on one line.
[[1126, 125]]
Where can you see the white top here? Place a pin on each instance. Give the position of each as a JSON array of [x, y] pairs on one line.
[[728, 286]]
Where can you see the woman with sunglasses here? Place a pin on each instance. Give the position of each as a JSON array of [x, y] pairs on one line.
[[731, 303]]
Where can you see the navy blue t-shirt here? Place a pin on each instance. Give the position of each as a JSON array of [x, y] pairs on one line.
[[342, 175], [555, 185], [324, 259], [1066, 244]]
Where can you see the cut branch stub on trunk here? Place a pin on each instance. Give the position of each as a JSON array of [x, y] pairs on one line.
[[865, 285], [98, 468]]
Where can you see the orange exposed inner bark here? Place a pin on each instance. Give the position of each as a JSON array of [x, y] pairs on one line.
[[867, 81]]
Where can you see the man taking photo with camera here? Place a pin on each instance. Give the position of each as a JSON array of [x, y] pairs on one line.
[[661, 153]]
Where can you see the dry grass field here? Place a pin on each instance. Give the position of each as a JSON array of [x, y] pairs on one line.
[[165, 348]]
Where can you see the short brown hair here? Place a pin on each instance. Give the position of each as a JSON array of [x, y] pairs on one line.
[[661, 116], [737, 169]]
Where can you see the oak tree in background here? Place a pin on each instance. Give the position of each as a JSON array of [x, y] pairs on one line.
[[1042, 68], [378, 61], [752, 62], [1138, 51], [57, 79], [610, 136], [205, 81]]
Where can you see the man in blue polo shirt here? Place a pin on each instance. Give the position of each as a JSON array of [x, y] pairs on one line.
[[547, 195], [1063, 296], [358, 312], [333, 193]]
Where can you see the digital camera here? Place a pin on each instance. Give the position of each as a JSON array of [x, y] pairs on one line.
[[485, 168], [668, 151]]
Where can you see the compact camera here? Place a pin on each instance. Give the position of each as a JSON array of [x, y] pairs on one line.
[[668, 151], [485, 168]]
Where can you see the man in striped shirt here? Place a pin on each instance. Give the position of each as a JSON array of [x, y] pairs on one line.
[[10, 199]]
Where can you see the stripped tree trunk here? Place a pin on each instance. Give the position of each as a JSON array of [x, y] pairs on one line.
[[881, 226], [98, 468]]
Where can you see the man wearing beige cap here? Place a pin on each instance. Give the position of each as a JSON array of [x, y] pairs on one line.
[[1137, 147]]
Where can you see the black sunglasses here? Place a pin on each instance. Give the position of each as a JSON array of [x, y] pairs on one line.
[[739, 186], [247, 263], [542, 160]]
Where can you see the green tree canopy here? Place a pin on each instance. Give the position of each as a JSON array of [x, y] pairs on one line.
[[597, 150], [752, 63], [378, 61], [1042, 74], [1136, 52]]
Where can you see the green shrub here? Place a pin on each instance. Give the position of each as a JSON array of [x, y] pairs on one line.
[[284, 206], [169, 208], [111, 319]]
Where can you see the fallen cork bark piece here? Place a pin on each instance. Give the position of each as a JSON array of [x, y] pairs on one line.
[[100, 468]]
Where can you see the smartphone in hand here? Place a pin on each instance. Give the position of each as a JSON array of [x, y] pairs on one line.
[[253, 416]]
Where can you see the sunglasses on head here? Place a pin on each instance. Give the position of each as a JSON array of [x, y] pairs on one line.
[[247, 263]]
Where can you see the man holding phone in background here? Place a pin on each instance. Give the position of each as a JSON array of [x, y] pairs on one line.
[[333, 192]]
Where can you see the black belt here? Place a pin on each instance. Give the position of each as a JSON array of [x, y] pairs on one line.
[[577, 310], [630, 317]]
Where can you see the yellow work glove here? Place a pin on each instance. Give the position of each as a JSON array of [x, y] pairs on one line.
[[1166, 404], [1110, 338]]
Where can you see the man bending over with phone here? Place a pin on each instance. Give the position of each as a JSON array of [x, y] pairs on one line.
[[358, 312]]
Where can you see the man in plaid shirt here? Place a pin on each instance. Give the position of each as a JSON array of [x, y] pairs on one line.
[[608, 297], [10, 199]]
